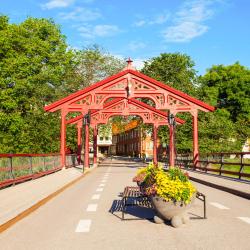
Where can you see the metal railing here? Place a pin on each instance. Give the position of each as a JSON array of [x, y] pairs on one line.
[[74, 160], [16, 168], [230, 164]]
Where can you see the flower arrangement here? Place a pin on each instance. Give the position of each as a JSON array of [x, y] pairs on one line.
[[173, 185]]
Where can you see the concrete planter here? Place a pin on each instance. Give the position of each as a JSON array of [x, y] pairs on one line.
[[169, 210]]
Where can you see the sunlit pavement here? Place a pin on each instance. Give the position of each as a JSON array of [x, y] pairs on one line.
[[79, 218]]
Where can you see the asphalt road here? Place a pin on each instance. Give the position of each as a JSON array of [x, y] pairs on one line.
[[80, 218]]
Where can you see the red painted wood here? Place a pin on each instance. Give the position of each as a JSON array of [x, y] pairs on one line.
[[171, 147], [95, 145], [155, 160], [86, 148], [128, 85], [195, 140], [63, 138], [84, 91], [79, 142], [58, 104], [144, 107]]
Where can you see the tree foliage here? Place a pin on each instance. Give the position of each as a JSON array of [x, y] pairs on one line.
[[225, 87], [37, 68], [174, 69], [228, 87], [33, 62]]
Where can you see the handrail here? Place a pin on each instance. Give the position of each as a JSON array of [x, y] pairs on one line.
[[230, 164], [18, 155], [17, 168]]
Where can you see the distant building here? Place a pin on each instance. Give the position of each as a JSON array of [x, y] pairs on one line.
[[132, 141], [104, 143]]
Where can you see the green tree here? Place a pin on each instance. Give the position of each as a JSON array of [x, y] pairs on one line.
[[91, 65], [33, 62], [228, 88], [217, 132], [37, 68], [174, 69]]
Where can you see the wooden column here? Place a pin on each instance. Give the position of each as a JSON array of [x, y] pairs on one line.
[[63, 138], [86, 146], [155, 129], [195, 139], [95, 145], [171, 146], [79, 141]]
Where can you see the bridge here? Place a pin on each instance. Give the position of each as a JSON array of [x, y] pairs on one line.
[[71, 210], [52, 201]]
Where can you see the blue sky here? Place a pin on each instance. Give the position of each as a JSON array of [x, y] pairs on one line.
[[210, 31]]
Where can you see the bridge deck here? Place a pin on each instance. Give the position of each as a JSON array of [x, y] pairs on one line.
[[80, 218]]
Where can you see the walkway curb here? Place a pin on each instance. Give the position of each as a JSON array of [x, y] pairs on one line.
[[42, 202], [223, 188]]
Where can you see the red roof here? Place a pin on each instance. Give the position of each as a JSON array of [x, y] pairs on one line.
[[135, 73]]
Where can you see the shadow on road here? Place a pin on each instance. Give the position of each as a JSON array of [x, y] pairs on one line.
[[132, 212]]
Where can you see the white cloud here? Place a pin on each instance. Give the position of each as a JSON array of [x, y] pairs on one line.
[[104, 30], [57, 4], [140, 23], [189, 21], [136, 45], [158, 19], [81, 14], [88, 1], [138, 63], [184, 32]]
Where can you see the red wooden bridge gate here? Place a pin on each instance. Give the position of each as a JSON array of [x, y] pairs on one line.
[[118, 95]]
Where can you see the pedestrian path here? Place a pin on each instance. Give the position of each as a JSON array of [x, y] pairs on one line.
[[66, 223], [16, 199]]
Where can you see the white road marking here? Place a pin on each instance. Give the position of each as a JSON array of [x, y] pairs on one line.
[[218, 205], [83, 226], [245, 219], [91, 208], [102, 185], [96, 197], [99, 189]]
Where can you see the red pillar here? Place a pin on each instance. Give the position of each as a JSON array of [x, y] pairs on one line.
[[171, 146], [63, 138], [79, 142], [155, 128], [195, 139], [95, 146], [86, 147]]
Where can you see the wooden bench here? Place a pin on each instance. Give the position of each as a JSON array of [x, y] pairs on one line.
[[132, 196]]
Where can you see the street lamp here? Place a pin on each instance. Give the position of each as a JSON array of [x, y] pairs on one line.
[[86, 119], [171, 120]]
